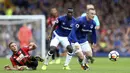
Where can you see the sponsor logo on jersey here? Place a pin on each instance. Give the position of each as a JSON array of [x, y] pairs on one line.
[[66, 28], [86, 30]]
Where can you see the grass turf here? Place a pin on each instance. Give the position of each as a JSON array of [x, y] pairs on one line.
[[101, 65]]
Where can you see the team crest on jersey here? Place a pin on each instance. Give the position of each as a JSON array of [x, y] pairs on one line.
[[63, 23], [91, 26], [77, 25]]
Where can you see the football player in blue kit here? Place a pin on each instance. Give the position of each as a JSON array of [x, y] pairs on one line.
[[89, 35], [59, 35], [88, 6], [78, 35]]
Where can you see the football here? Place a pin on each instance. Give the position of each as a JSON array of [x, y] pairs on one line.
[[113, 55]]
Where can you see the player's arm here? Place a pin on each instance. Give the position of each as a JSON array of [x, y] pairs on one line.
[[74, 36], [73, 32], [16, 67], [97, 22], [94, 36], [53, 28]]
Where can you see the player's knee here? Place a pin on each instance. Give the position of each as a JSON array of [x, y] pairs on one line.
[[88, 53], [69, 49], [52, 49]]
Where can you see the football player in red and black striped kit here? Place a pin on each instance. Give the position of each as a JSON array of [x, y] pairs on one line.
[[21, 59]]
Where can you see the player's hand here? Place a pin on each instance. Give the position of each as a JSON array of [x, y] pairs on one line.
[[21, 68], [97, 27], [32, 45], [7, 67], [94, 46]]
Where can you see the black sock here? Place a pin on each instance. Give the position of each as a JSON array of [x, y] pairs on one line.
[[57, 53], [53, 56], [80, 60]]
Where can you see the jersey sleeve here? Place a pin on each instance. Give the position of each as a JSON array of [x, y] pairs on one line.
[[96, 20], [94, 36], [58, 20], [26, 48], [13, 62], [73, 31], [49, 21]]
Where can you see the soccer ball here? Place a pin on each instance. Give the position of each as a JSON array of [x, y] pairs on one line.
[[113, 55]]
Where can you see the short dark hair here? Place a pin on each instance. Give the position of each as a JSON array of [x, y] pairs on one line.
[[10, 44], [70, 10]]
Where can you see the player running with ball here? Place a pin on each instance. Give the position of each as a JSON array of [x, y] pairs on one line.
[[78, 34]]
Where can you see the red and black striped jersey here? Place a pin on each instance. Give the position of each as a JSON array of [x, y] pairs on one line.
[[21, 57]]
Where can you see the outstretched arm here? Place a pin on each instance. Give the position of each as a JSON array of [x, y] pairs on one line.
[[20, 68]]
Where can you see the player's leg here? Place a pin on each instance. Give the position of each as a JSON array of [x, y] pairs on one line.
[[53, 58], [81, 57], [56, 55], [69, 49], [58, 60], [53, 45], [68, 57], [32, 65], [38, 58], [88, 51], [89, 56]]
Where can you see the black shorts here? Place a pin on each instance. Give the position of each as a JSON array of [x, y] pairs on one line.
[[32, 64]]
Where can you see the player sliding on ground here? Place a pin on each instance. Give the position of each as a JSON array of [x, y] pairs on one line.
[[21, 59]]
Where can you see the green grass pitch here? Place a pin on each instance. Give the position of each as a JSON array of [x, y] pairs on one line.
[[101, 65]]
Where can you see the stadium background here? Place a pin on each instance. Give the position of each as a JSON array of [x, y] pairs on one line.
[[114, 16]]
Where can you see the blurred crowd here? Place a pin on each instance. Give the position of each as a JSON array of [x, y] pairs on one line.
[[114, 16]]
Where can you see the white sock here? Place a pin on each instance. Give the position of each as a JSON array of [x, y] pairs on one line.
[[68, 59], [84, 60], [47, 59]]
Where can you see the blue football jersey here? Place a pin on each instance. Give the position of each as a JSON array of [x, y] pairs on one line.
[[64, 25], [80, 30], [95, 19]]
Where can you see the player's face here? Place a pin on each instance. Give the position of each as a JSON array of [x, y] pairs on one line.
[[91, 14], [14, 47], [70, 14], [54, 12]]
